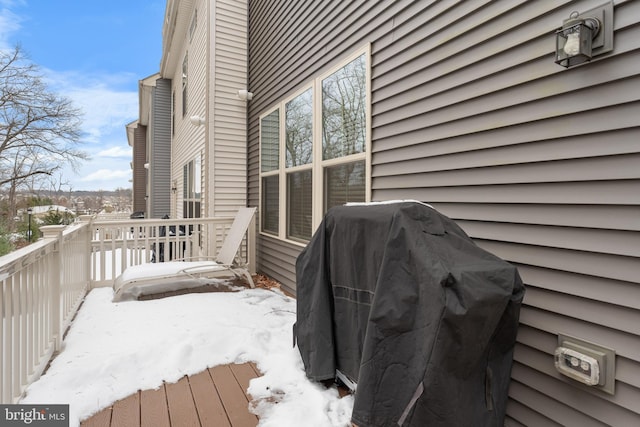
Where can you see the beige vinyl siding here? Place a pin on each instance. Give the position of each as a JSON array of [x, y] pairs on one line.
[[229, 74], [188, 140], [216, 71], [539, 164]]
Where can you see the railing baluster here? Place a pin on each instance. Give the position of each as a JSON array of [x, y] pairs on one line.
[[92, 253], [15, 341], [27, 327], [3, 345]]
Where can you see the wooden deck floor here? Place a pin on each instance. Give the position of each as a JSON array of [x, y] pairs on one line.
[[215, 397]]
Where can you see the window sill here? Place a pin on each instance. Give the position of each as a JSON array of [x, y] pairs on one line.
[[288, 241]]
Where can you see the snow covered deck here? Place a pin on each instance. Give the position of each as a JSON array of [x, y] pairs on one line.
[[214, 397], [172, 348], [192, 353], [42, 285]]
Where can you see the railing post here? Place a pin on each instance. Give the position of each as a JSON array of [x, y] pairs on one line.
[[54, 232], [88, 237]]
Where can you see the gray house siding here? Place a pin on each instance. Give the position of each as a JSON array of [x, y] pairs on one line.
[[160, 150], [139, 172], [539, 164]]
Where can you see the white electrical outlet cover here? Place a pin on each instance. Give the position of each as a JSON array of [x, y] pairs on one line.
[[577, 365]]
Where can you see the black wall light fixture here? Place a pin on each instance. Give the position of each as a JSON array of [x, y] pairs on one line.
[[585, 35]]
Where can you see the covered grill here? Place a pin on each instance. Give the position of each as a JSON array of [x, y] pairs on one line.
[[397, 298]]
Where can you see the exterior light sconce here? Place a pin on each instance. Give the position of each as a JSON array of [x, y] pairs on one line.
[[585, 35], [197, 120], [245, 95], [174, 187]]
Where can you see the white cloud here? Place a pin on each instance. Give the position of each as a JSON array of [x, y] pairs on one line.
[[106, 109], [108, 101], [9, 24], [115, 152], [106, 175]]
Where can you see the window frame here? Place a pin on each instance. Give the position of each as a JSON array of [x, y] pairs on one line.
[[193, 25], [317, 165], [192, 188], [185, 83], [271, 172]]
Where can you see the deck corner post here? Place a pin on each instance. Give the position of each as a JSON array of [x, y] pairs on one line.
[[88, 219], [54, 232]]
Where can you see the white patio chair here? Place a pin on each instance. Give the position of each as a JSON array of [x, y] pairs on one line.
[[153, 278]]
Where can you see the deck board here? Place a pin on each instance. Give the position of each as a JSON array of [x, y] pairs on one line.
[[154, 411], [100, 419], [233, 397], [210, 408], [182, 408], [126, 412], [244, 374], [215, 397]]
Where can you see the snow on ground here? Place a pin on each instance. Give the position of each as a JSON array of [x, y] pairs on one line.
[[114, 349]]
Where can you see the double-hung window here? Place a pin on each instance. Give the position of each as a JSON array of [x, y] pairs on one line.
[[185, 74], [314, 151], [192, 188]]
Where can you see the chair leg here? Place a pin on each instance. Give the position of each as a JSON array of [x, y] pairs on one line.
[[247, 276]]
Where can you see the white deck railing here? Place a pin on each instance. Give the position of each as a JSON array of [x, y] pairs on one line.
[[44, 283]]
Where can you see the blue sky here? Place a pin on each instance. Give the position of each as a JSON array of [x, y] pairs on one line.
[[93, 52]]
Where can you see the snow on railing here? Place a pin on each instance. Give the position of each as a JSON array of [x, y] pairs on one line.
[[39, 298], [44, 283]]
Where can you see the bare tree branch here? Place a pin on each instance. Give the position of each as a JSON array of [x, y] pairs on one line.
[[39, 129]]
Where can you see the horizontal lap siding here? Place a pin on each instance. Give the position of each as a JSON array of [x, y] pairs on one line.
[[188, 140], [139, 172], [289, 43], [229, 149], [277, 260], [539, 164], [160, 160]]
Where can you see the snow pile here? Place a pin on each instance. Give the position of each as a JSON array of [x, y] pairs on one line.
[[114, 349]]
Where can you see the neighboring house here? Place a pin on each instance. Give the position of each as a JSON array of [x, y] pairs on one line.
[[204, 57], [458, 104], [137, 138], [150, 137], [45, 209], [192, 120]]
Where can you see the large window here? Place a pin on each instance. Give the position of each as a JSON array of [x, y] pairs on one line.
[[344, 133], [194, 24], [344, 183], [185, 68], [192, 188], [313, 151], [344, 111], [173, 112], [270, 164], [298, 165]]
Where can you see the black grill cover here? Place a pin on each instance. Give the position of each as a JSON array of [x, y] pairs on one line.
[[399, 299]]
